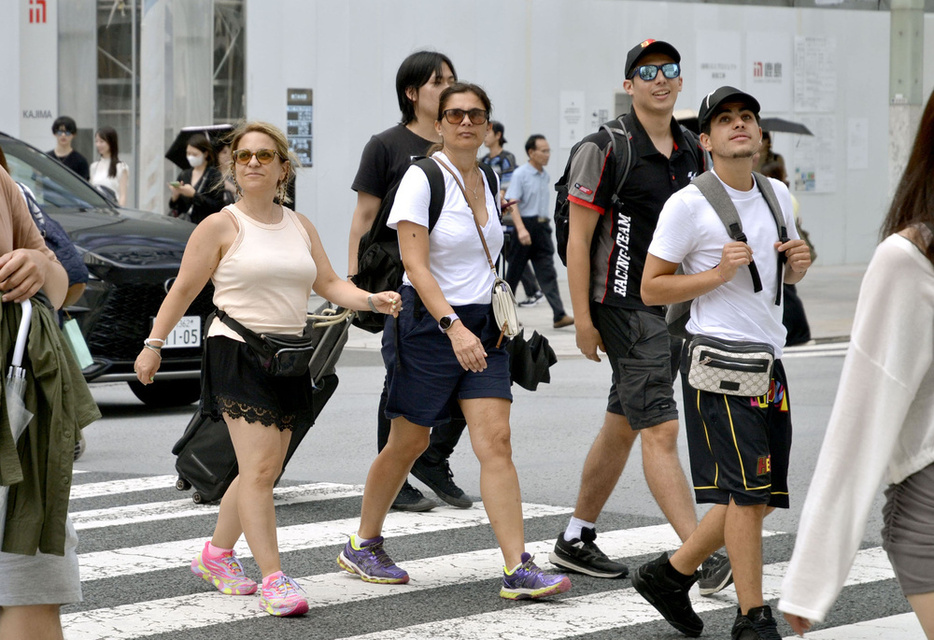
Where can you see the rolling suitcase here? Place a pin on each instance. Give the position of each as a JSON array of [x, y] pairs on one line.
[[205, 455]]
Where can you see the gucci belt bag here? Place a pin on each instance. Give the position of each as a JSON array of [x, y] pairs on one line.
[[730, 367]]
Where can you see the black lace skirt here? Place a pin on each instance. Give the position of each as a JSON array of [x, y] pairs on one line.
[[234, 383]]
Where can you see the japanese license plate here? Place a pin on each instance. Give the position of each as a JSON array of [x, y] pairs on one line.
[[185, 335]]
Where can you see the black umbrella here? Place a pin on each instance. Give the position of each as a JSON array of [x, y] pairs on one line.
[[213, 132], [787, 126]]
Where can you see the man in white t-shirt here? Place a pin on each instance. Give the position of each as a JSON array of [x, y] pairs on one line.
[[739, 446]]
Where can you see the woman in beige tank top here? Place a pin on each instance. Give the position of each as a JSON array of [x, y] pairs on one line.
[[266, 288]]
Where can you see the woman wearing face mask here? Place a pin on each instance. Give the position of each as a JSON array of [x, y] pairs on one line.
[[199, 191]]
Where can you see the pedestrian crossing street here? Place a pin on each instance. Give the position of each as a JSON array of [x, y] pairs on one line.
[[138, 535]]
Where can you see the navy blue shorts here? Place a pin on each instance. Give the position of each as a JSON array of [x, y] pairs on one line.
[[739, 446], [423, 375]]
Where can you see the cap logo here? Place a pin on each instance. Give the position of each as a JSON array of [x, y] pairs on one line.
[[707, 99], [646, 43]]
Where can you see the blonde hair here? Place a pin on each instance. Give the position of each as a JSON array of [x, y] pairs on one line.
[[282, 148]]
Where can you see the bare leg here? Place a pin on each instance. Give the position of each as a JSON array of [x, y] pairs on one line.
[[406, 442], [743, 535], [604, 465], [36, 622], [248, 505], [665, 477], [488, 421], [923, 605], [707, 538]]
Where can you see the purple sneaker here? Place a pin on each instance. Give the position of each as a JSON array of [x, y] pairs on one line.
[[528, 581], [369, 561]]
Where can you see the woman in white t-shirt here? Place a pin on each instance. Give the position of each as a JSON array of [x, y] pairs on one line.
[[443, 349], [109, 172]]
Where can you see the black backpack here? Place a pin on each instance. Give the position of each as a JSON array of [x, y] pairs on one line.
[[621, 144], [379, 265]]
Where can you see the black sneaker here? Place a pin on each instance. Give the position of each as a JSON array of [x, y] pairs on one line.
[[583, 556], [533, 300], [715, 574], [758, 624], [669, 597], [411, 499], [440, 479]]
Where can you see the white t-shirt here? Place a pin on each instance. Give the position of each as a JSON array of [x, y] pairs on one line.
[[690, 232], [455, 254], [100, 175]]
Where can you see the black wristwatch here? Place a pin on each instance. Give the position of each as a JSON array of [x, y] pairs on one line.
[[447, 321]]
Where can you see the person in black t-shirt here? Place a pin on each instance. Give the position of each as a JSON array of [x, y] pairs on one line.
[[419, 82], [64, 128]]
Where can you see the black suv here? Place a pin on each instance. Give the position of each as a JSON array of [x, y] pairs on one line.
[[133, 258]]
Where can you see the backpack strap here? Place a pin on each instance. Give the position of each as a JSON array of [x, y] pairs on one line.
[[491, 183], [435, 188], [765, 187], [711, 188], [621, 153]]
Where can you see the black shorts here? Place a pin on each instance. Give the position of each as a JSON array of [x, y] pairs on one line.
[[423, 376], [638, 347], [233, 382], [739, 446]]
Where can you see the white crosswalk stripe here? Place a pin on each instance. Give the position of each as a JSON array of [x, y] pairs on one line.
[[601, 606]]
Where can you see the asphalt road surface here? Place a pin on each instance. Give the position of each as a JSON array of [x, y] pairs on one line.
[[138, 534]]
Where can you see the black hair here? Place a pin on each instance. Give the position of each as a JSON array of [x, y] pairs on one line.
[[914, 198], [532, 142], [200, 142], [500, 130], [109, 135], [414, 72], [67, 122]]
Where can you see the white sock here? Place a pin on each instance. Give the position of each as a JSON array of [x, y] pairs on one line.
[[574, 528]]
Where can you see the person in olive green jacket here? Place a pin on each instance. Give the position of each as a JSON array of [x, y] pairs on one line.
[[38, 562]]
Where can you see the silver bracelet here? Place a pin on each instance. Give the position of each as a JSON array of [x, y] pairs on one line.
[[369, 301], [156, 351]]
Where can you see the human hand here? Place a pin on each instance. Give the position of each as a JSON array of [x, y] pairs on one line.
[[524, 237], [797, 253], [798, 624], [146, 365], [467, 347], [22, 274], [187, 190], [388, 302], [588, 340], [734, 256]]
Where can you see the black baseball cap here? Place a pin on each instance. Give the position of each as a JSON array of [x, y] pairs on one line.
[[724, 94], [646, 47]]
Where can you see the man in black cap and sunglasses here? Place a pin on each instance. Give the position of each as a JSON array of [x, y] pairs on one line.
[[608, 239], [739, 444]]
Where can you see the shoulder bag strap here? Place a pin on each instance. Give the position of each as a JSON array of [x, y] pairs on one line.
[[710, 187], [489, 258]]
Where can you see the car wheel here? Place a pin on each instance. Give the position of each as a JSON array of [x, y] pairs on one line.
[[167, 393]]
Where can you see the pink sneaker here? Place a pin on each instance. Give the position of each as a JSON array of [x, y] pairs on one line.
[[224, 572], [280, 596]]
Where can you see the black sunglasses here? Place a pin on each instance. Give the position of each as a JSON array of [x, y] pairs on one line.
[[456, 116], [670, 70]]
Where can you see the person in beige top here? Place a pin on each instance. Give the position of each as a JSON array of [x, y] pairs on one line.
[[264, 261]]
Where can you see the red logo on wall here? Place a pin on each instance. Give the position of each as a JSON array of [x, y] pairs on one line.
[[37, 12]]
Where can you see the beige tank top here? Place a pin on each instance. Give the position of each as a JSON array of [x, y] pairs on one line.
[[264, 280]]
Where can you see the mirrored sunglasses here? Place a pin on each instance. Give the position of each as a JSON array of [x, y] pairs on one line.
[[670, 70], [263, 156]]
